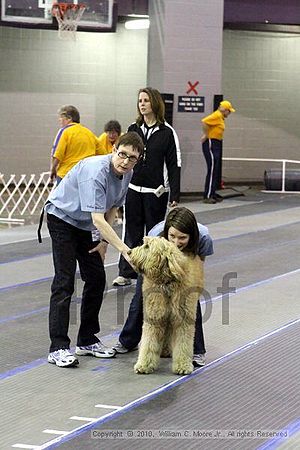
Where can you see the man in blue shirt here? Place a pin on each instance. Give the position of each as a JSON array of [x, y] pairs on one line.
[[86, 200]]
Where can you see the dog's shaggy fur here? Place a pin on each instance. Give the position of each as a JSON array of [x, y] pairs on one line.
[[172, 284]]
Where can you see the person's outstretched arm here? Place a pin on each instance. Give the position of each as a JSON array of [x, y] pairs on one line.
[[103, 222]]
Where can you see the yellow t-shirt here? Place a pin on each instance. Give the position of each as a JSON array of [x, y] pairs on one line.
[[105, 145], [216, 125], [73, 143]]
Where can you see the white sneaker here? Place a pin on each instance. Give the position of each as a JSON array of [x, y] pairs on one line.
[[98, 350], [121, 281], [119, 348], [199, 360], [62, 358]]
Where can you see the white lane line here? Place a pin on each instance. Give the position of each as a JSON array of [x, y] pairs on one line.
[[25, 446], [84, 419], [108, 406], [59, 432], [60, 439]]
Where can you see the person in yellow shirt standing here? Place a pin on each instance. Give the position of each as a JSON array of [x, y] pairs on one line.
[[72, 143], [213, 130], [107, 140]]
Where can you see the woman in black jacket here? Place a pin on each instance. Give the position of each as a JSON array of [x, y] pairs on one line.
[[156, 178]]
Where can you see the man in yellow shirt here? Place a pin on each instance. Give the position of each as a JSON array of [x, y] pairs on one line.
[[72, 143], [112, 132], [213, 130]]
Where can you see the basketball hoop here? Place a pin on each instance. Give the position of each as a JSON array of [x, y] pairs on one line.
[[68, 16]]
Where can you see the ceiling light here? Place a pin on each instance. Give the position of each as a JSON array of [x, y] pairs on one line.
[[141, 24]]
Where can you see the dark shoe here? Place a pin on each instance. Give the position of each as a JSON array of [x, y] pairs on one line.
[[210, 200], [218, 199]]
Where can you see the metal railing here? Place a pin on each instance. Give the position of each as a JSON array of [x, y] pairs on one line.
[[284, 162], [23, 196]]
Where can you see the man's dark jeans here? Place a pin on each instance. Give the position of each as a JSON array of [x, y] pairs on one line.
[[70, 244]]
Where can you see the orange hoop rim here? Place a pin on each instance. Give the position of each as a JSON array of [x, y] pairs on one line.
[[63, 7]]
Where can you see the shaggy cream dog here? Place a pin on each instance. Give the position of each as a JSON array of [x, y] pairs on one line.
[[172, 284]]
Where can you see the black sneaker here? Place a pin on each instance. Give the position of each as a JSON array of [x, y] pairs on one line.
[[218, 199], [210, 200]]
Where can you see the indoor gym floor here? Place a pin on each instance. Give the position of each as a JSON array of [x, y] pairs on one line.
[[247, 392]]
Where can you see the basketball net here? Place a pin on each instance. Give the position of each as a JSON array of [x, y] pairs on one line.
[[68, 16]]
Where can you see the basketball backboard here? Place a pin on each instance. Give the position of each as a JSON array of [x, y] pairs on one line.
[[99, 15]]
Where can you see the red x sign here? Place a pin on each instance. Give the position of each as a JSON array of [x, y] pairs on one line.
[[192, 87]]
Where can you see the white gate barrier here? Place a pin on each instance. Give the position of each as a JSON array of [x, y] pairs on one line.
[[23, 195], [284, 163]]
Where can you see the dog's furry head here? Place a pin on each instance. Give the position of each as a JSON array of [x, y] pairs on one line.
[[159, 260]]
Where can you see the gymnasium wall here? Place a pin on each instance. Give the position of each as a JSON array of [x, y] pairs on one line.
[[101, 74], [261, 75]]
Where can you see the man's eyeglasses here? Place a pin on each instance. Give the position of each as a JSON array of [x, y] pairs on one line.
[[131, 158]]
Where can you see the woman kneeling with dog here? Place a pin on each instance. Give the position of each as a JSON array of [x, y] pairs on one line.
[[181, 228]]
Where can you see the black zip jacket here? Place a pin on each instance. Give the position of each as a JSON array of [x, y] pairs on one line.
[[161, 162]]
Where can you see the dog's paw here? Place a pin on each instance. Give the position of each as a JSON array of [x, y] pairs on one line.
[[183, 369], [139, 368]]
